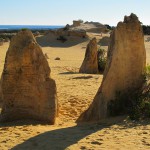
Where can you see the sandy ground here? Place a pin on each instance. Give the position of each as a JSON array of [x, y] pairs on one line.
[[75, 93]]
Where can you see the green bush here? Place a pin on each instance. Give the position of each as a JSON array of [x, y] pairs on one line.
[[66, 28], [101, 60], [24, 29], [62, 38], [147, 71], [134, 103], [1, 39]]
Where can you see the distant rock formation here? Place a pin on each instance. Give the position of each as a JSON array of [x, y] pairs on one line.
[[94, 27], [78, 33], [28, 91], [79, 29], [76, 23], [37, 33], [104, 41], [90, 62], [65, 32], [125, 67]]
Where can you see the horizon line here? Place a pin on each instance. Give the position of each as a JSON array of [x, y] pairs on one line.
[[29, 25]]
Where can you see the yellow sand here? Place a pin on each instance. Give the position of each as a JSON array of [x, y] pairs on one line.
[[75, 93]]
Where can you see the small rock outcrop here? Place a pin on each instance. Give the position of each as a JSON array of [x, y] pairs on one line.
[[76, 23], [94, 27], [125, 67], [104, 41], [27, 89], [90, 62], [37, 33]]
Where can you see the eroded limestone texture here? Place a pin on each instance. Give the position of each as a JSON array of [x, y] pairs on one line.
[[124, 69], [90, 62], [27, 89]]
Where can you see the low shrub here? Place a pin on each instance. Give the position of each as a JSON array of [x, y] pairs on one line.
[[136, 104], [66, 28], [62, 38], [101, 60], [24, 29]]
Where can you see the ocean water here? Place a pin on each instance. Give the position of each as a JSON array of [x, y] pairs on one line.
[[31, 27]]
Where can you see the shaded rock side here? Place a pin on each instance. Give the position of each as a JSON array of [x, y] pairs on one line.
[[104, 41], [81, 33], [125, 67], [0, 93], [28, 91], [90, 62]]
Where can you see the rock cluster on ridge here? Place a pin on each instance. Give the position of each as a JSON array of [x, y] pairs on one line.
[[28, 91], [125, 67]]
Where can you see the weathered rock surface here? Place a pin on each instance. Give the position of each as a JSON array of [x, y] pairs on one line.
[[46, 56], [76, 23], [90, 62], [104, 41], [124, 69], [28, 91], [94, 27], [0, 92]]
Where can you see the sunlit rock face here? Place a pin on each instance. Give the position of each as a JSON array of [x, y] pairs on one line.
[[28, 91], [90, 62], [125, 67]]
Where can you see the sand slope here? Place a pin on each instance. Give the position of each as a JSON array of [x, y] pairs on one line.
[[75, 93]]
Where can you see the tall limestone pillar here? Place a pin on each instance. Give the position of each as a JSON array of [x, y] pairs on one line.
[[90, 62], [125, 67], [27, 88]]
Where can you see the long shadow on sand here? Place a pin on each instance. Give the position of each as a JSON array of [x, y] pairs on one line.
[[83, 77], [61, 139], [68, 73], [58, 139]]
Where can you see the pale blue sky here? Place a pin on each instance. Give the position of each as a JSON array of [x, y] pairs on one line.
[[61, 12]]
